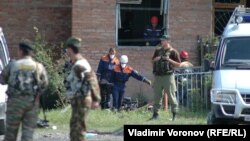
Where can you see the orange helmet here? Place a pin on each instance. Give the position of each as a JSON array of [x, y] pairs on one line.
[[184, 54], [154, 20]]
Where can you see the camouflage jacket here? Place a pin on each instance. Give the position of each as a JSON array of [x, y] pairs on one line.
[[8, 75]]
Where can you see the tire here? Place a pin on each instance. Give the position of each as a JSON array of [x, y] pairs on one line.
[[2, 126]]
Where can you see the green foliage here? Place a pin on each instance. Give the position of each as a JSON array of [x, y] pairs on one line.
[[209, 56], [207, 48], [141, 99], [46, 54], [208, 81], [199, 100]]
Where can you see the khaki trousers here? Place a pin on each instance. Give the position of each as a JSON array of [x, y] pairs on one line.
[[165, 84]]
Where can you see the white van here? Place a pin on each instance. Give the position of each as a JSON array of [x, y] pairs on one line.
[[230, 93], [4, 60]]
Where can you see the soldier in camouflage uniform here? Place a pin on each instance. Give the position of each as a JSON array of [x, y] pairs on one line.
[[25, 78], [82, 90]]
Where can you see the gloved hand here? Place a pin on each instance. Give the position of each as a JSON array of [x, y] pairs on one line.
[[147, 81]]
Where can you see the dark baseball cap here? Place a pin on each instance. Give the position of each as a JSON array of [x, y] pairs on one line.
[[26, 45], [74, 41], [165, 37]]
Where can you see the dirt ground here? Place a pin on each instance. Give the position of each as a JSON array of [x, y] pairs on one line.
[[65, 137]]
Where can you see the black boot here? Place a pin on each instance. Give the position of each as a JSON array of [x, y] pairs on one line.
[[155, 116], [174, 116]]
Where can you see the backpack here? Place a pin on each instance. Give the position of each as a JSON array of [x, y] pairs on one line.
[[26, 81]]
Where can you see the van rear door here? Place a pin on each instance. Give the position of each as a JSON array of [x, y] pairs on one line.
[[4, 53]]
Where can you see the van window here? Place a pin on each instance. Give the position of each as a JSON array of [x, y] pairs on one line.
[[236, 50]]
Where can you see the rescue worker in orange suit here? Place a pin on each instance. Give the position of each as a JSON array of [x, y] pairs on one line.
[[121, 74], [104, 71]]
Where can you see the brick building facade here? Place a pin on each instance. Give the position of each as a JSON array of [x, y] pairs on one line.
[[95, 22]]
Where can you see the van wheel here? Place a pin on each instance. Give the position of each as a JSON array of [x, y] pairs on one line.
[[211, 120], [2, 126]]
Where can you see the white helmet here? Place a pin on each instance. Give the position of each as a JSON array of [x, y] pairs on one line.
[[124, 59]]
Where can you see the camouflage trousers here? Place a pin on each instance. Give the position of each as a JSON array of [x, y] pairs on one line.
[[78, 119], [21, 110]]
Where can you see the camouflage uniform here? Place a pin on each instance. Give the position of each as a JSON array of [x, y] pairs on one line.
[[82, 88], [22, 107], [66, 70]]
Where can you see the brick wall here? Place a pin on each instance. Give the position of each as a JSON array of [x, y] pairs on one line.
[[94, 21], [53, 18], [188, 19]]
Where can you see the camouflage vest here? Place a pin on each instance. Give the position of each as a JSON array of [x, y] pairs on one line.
[[76, 87], [83, 88], [25, 81], [162, 67]]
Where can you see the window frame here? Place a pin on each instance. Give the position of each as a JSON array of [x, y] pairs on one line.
[[165, 22], [225, 5], [219, 5], [129, 1]]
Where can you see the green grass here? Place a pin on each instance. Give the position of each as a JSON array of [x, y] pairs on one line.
[[107, 121]]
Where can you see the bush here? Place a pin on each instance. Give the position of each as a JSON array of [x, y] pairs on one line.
[[47, 54], [141, 99]]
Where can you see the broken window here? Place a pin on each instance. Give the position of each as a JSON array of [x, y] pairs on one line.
[[133, 17]]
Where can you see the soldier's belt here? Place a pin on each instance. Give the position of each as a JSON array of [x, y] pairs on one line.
[[165, 73]]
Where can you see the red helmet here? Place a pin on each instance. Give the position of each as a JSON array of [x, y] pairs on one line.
[[184, 54], [154, 20]]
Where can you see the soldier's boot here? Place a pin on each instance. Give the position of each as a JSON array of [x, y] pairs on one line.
[[174, 116], [155, 116]]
